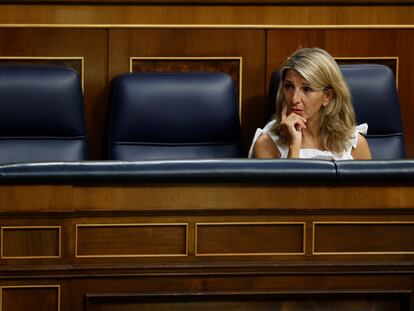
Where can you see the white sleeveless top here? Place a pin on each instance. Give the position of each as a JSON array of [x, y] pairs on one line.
[[311, 153]]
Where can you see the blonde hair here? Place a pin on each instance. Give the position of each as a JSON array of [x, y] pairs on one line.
[[337, 118]]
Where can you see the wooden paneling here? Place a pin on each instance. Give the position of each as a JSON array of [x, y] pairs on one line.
[[294, 290], [89, 44], [360, 238], [137, 240], [35, 198], [219, 2], [354, 43], [131, 240], [231, 239], [207, 14], [247, 44], [241, 197], [24, 298], [243, 301], [30, 242]]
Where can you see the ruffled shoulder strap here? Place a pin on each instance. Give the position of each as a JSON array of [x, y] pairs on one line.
[[266, 129], [363, 129], [269, 126]]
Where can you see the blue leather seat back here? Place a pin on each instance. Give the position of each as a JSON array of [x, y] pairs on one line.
[[174, 116], [41, 114], [376, 103]]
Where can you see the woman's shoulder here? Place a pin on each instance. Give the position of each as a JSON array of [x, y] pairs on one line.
[[361, 151], [268, 128], [265, 147], [263, 144], [359, 131], [360, 147]]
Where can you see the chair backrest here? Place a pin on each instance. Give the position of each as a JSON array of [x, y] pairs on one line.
[[376, 103], [41, 114], [174, 116]]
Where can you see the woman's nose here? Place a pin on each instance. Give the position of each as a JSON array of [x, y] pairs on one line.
[[296, 96]]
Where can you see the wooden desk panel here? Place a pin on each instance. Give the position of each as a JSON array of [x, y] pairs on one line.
[[113, 274], [321, 253]]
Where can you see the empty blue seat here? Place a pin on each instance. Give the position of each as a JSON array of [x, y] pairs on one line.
[[174, 116], [41, 114], [376, 102]]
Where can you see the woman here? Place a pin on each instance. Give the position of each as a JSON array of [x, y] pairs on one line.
[[314, 113]]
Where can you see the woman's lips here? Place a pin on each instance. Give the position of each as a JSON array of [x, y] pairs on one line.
[[296, 111]]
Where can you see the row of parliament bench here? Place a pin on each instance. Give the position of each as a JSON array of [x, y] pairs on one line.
[[183, 224], [163, 116]]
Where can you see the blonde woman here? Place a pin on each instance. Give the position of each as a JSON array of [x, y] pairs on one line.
[[314, 113]]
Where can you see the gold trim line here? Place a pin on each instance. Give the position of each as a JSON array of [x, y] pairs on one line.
[[213, 26]]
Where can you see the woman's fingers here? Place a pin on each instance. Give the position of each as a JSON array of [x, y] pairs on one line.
[[292, 125], [294, 121], [294, 115], [300, 125]]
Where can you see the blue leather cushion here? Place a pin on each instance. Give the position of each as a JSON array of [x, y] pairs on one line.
[[174, 116], [375, 172], [41, 114], [295, 172]]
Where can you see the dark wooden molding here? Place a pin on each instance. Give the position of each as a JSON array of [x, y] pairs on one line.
[[217, 2]]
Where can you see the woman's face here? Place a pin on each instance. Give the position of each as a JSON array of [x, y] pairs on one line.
[[301, 98]]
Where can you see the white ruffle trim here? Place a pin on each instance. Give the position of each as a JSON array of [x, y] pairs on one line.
[[259, 131], [363, 129]]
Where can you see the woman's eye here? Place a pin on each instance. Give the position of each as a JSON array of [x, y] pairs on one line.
[[289, 86], [307, 89]]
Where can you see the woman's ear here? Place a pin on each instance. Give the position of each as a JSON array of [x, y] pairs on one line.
[[328, 96]]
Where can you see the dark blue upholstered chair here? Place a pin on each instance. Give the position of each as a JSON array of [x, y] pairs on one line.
[[41, 114], [166, 116], [376, 103]]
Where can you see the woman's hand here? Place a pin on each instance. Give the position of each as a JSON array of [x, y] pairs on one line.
[[292, 125]]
